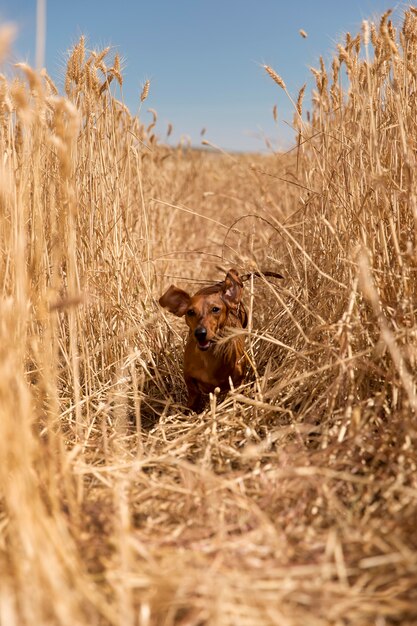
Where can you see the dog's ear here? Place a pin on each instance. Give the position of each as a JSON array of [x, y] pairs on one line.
[[232, 288], [175, 300]]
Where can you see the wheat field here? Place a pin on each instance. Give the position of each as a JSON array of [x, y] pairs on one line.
[[292, 501]]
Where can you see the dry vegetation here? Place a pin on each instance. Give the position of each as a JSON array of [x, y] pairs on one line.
[[294, 500]]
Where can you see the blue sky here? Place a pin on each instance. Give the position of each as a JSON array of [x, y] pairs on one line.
[[203, 57]]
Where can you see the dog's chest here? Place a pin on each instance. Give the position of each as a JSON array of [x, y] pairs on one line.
[[207, 368]]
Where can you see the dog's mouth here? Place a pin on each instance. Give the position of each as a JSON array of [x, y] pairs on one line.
[[204, 345]]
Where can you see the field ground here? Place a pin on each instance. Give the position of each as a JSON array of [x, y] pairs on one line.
[[293, 500]]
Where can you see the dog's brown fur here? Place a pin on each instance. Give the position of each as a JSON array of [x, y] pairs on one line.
[[208, 314]]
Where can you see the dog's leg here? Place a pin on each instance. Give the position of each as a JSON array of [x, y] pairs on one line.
[[195, 399]]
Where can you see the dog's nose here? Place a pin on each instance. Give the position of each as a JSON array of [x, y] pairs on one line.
[[200, 333]]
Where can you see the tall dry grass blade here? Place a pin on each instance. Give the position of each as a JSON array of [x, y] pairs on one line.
[[40, 33]]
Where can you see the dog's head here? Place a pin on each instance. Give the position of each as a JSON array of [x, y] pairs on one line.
[[207, 311]]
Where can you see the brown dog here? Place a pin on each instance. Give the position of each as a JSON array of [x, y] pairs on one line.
[[208, 313]]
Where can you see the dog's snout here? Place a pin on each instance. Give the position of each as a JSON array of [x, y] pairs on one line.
[[200, 333]]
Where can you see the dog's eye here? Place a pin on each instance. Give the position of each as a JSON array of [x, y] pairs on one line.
[[215, 309], [190, 312]]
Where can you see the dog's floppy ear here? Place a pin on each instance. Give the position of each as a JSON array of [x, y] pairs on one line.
[[232, 288], [175, 300]]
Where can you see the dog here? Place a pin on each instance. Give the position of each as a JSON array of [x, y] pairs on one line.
[[209, 314]]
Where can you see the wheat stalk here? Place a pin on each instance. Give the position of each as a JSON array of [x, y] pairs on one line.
[[145, 90], [275, 77]]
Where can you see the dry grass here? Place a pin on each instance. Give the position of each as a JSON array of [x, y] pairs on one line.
[[291, 502]]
